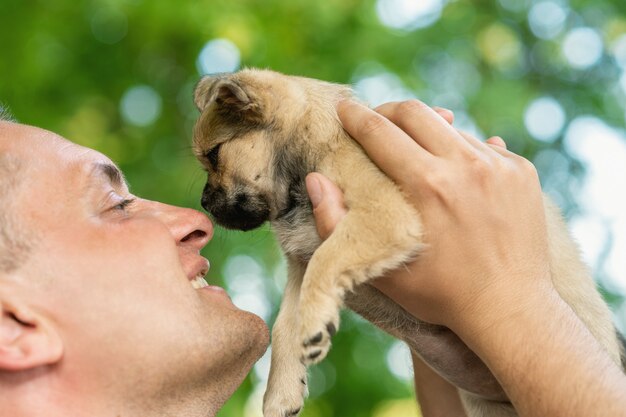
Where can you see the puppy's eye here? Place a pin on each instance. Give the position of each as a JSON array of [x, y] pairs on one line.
[[212, 156]]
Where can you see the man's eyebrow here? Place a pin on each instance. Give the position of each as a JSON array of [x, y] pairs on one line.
[[111, 172]]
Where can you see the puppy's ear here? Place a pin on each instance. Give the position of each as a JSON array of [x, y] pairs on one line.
[[229, 94], [203, 91], [236, 100], [233, 99]]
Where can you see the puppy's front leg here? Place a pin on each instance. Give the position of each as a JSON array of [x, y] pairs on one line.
[[287, 384], [352, 255]]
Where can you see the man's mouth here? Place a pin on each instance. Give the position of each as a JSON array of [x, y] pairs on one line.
[[201, 268], [199, 282]]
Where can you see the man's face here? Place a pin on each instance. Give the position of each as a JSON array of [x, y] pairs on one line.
[[114, 272]]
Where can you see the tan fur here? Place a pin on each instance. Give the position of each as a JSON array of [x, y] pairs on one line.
[[273, 130]]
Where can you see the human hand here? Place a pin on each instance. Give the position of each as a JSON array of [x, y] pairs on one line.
[[481, 207]]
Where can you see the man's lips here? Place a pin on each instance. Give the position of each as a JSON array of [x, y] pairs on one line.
[[197, 268], [197, 278], [199, 282]]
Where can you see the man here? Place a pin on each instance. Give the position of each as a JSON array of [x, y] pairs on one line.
[[100, 316], [94, 324]]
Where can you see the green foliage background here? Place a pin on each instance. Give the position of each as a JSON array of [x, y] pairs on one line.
[[66, 64]]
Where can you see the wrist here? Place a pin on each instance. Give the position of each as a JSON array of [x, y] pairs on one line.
[[496, 311], [542, 354]]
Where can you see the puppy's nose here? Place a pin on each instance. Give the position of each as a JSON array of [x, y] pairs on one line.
[[204, 200], [241, 199], [212, 197]]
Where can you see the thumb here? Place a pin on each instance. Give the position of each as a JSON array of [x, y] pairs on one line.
[[327, 200]]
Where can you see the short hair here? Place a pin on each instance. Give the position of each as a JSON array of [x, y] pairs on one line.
[[5, 114], [14, 248]]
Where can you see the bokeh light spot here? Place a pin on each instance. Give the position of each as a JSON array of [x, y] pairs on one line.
[[547, 19], [399, 361], [591, 235], [241, 265], [408, 14], [254, 404], [446, 74], [246, 284], [463, 121], [321, 378], [218, 55], [514, 5], [262, 366], [380, 88], [618, 49], [254, 303], [602, 149], [582, 47], [109, 26], [544, 119], [499, 45], [140, 105], [402, 407]]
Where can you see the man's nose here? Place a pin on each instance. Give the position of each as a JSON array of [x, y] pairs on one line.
[[189, 227]]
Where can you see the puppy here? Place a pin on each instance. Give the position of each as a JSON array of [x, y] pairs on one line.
[[259, 134]]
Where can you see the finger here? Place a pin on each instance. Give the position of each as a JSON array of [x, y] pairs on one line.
[[425, 126], [493, 144], [447, 115], [496, 141], [328, 205], [472, 140], [392, 150], [498, 145]]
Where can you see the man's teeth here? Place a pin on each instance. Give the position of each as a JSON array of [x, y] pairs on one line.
[[199, 282]]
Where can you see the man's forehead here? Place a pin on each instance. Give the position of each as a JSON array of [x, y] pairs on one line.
[[47, 149], [15, 137]]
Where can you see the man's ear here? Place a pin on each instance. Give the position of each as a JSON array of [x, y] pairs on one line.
[[27, 339]]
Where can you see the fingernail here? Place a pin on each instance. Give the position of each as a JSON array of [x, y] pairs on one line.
[[314, 188]]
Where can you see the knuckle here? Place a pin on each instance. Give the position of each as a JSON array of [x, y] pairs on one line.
[[386, 108], [479, 166], [372, 124], [409, 107], [526, 166], [435, 183]]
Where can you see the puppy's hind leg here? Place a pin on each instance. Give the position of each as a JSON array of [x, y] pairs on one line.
[[358, 250], [287, 384]]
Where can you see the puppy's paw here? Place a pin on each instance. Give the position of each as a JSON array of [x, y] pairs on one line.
[[316, 334], [286, 398]]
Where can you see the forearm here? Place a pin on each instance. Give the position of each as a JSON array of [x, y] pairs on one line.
[[436, 396], [561, 372]]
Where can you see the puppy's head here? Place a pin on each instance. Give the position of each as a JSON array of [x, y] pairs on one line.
[[256, 138]]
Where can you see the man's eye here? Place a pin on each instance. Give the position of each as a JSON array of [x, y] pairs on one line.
[[212, 156], [124, 204]]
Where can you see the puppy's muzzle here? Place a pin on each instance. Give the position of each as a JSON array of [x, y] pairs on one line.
[[239, 210]]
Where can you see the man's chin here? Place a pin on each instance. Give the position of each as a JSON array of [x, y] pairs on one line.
[[253, 341], [259, 334]]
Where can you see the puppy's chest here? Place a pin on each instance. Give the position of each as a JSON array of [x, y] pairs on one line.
[[297, 234], [296, 230]]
